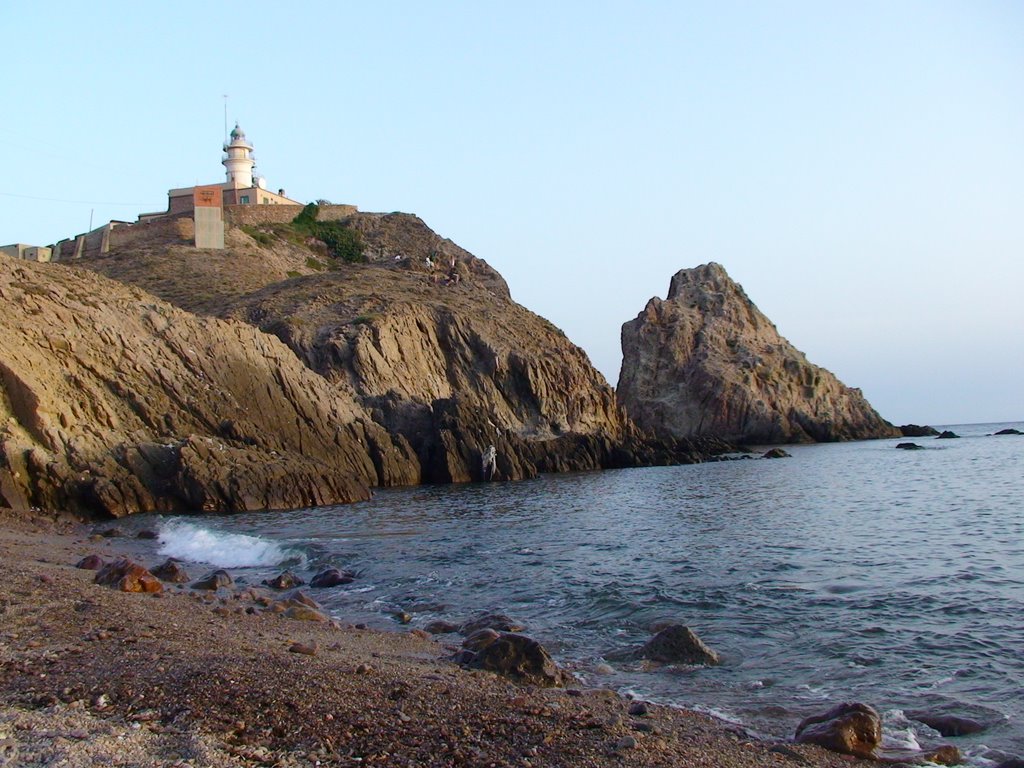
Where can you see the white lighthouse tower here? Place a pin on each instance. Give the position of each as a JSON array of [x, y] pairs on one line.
[[239, 161]]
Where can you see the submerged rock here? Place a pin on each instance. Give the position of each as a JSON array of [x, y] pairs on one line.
[[947, 435], [851, 729], [678, 644], [499, 622], [441, 627], [332, 577], [776, 453], [1009, 431], [948, 725], [909, 447]]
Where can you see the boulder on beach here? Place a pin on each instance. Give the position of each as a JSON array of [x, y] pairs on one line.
[[851, 729], [678, 644], [91, 563], [127, 576], [284, 580], [214, 580], [518, 657], [441, 627], [172, 571]]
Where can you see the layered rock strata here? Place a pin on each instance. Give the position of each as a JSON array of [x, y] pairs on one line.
[[706, 362], [115, 402]]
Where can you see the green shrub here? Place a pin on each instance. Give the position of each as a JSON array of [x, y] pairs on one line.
[[316, 264], [341, 242]]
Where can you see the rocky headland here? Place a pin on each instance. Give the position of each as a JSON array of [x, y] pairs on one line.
[[271, 374], [706, 361]]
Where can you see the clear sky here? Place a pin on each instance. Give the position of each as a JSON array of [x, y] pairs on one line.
[[857, 167]]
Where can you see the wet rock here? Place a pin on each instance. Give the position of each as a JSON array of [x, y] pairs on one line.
[[520, 658], [499, 622], [948, 725], [214, 580], [91, 563], [480, 639], [1009, 431], [1013, 762], [851, 729], [677, 644], [909, 447], [284, 580], [298, 597], [332, 577], [776, 453], [114, 532], [171, 570], [402, 617], [147, 534], [947, 435], [915, 430], [127, 576], [440, 627], [304, 613]]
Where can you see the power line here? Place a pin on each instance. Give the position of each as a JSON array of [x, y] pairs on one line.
[[81, 202]]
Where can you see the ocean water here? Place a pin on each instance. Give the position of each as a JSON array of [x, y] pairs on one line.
[[849, 572]]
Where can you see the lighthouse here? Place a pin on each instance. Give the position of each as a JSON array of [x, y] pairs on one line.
[[239, 162]]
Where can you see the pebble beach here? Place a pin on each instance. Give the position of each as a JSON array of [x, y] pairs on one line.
[[90, 675]]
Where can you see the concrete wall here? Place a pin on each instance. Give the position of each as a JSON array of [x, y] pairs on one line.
[[209, 227], [27, 252], [238, 215], [176, 229]]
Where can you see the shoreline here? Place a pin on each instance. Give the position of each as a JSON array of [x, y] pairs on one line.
[[181, 679]]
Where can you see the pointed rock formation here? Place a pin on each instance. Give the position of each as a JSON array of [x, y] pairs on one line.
[[706, 362]]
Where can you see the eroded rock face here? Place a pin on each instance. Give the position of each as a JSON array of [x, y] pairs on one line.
[[705, 361], [113, 402]]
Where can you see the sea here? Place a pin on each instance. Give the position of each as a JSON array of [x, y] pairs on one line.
[[848, 572]]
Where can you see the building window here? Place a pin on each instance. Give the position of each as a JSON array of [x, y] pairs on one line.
[[245, 199]]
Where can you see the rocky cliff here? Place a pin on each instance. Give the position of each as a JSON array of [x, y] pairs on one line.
[[706, 361], [114, 402], [285, 378]]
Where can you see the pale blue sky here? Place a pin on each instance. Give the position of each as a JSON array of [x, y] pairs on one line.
[[858, 167]]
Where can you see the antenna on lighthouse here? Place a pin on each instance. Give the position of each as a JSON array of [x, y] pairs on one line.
[[225, 118]]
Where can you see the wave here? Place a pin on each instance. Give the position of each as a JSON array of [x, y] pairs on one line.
[[187, 541]]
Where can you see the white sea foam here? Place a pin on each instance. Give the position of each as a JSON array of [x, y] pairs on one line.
[[187, 541]]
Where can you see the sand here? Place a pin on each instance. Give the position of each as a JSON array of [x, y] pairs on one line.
[[93, 676]]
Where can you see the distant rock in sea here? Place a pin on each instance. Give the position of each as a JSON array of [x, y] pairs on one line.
[[706, 362], [915, 430]]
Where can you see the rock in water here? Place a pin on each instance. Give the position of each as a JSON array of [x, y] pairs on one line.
[[852, 729], [706, 362], [676, 644], [916, 430]]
